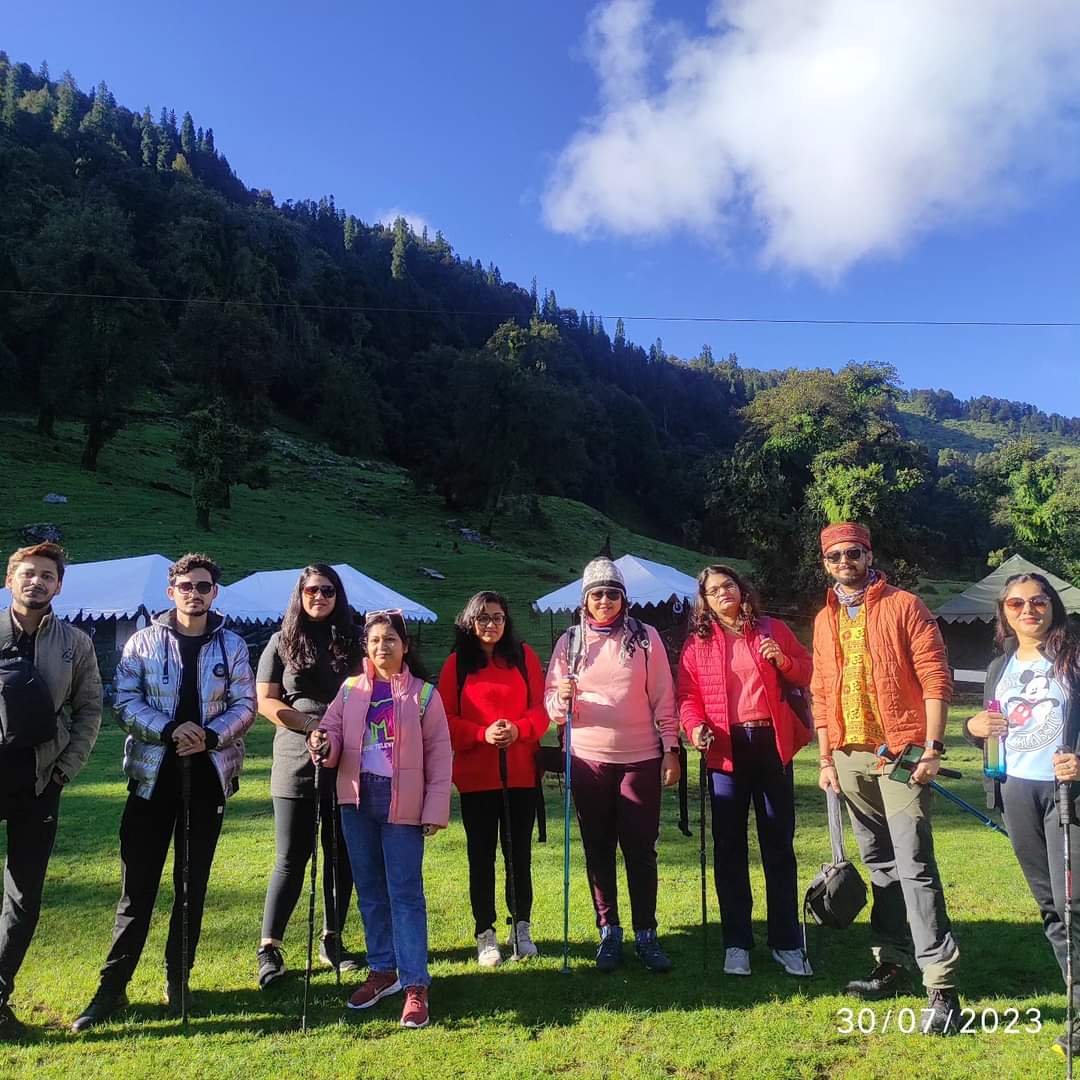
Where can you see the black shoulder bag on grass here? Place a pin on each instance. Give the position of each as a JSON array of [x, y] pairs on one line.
[[837, 895]]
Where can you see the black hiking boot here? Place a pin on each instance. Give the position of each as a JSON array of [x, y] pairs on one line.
[[942, 1013], [886, 980], [12, 1029], [609, 955], [649, 952], [103, 1005]]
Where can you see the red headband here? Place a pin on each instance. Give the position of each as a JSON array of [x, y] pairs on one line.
[[842, 531]]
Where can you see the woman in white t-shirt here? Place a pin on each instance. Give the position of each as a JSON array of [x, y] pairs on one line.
[[1036, 684]]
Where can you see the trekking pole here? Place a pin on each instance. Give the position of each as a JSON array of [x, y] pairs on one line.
[[311, 903], [511, 891], [1067, 818], [703, 783], [338, 920], [568, 728], [903, 768], [185, 878]]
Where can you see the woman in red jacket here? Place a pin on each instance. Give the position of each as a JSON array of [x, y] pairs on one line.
[[733, 674], [493, 689]]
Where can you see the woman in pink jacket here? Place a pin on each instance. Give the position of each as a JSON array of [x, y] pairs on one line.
[[625, 744], [386, 732], [734, 671]]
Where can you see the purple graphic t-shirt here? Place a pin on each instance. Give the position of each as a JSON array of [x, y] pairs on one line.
[[376, 755]]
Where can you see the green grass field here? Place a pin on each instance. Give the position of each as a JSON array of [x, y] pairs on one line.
[[524, 1020]]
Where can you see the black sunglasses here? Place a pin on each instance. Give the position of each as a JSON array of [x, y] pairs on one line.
[[605, 594], [851, 554], [203, 588], [311, 591]]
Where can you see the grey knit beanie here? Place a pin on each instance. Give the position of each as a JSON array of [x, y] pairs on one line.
[[601, 573]]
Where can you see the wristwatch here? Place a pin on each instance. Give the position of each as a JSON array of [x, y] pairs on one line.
[[933, 744]]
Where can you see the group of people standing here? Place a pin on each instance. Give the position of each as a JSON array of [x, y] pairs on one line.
[[365, 744]]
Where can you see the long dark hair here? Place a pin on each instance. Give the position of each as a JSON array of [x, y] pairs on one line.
[[298, 647], [702, 617], [470, 653], [1062, 644], [396, 621]]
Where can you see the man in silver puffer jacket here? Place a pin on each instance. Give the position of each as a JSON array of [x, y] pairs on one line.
[[185, 694]]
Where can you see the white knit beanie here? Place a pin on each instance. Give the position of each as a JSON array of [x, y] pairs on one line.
[[601, 573]]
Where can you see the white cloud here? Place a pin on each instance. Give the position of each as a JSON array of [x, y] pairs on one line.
[[417, 222], [837, 128]]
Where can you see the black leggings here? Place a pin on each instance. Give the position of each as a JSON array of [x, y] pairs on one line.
[[482, 814], [294, 824]]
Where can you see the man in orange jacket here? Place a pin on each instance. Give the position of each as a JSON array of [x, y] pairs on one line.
[[881, 676]]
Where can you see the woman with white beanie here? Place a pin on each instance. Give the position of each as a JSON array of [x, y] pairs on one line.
[[624, 745]]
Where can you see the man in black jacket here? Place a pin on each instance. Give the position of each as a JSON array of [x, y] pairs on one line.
[[39, 753]]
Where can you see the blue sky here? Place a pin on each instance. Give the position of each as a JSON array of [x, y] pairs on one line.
[[718, 172]]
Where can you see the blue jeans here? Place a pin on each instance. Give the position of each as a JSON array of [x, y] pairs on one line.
[[758, 776], [387, 864]]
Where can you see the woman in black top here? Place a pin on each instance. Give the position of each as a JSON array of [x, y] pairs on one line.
[[300, 671]]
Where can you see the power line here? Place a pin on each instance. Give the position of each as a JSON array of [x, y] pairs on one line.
[[718, 319]]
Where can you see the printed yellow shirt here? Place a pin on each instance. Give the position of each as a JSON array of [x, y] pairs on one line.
[[862, 725]]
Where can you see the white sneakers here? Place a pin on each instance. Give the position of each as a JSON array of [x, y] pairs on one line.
[[487, 950], [736, 961], [794, 962], [487, 946], [526, 947]]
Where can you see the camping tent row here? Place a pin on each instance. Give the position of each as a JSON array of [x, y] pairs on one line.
[[967, 619], [128, 591]]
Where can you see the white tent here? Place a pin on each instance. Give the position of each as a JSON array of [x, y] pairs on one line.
[[113, 589], [127, 590], [264, 596], [647, 583]]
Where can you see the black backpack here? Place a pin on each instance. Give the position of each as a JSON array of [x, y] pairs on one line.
[[27, 713]]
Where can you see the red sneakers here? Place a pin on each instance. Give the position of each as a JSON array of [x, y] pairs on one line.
[[415, 1013], [375, 987]]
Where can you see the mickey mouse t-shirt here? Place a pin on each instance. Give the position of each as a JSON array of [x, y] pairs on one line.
[[1034, 705]]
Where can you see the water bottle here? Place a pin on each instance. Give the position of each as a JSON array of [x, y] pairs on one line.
[[994, 750]]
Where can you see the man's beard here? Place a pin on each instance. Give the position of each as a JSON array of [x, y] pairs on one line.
[[36, 603]]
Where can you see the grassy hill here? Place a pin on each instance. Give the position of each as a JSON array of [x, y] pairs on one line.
[[968, 436], [320, 506]]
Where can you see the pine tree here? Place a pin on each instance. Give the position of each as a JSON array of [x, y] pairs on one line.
[[398, 267], [534, 297], [148, 140], [65, 123], [11, 96], [620, 334], [43, 72], [349, 232], [187, 136], [208, 141]]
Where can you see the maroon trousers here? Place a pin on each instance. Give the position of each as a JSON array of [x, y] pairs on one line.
[[619, 804]]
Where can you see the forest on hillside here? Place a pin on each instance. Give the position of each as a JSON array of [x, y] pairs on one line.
[[136, 268]]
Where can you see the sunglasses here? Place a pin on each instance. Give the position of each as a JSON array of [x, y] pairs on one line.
[[851, 554], [1016, 604], [490, 620], [326, 591], [605, 594], [203, 588], [389, 612]]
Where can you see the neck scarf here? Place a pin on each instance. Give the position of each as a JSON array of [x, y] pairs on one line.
[[855, 599]]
